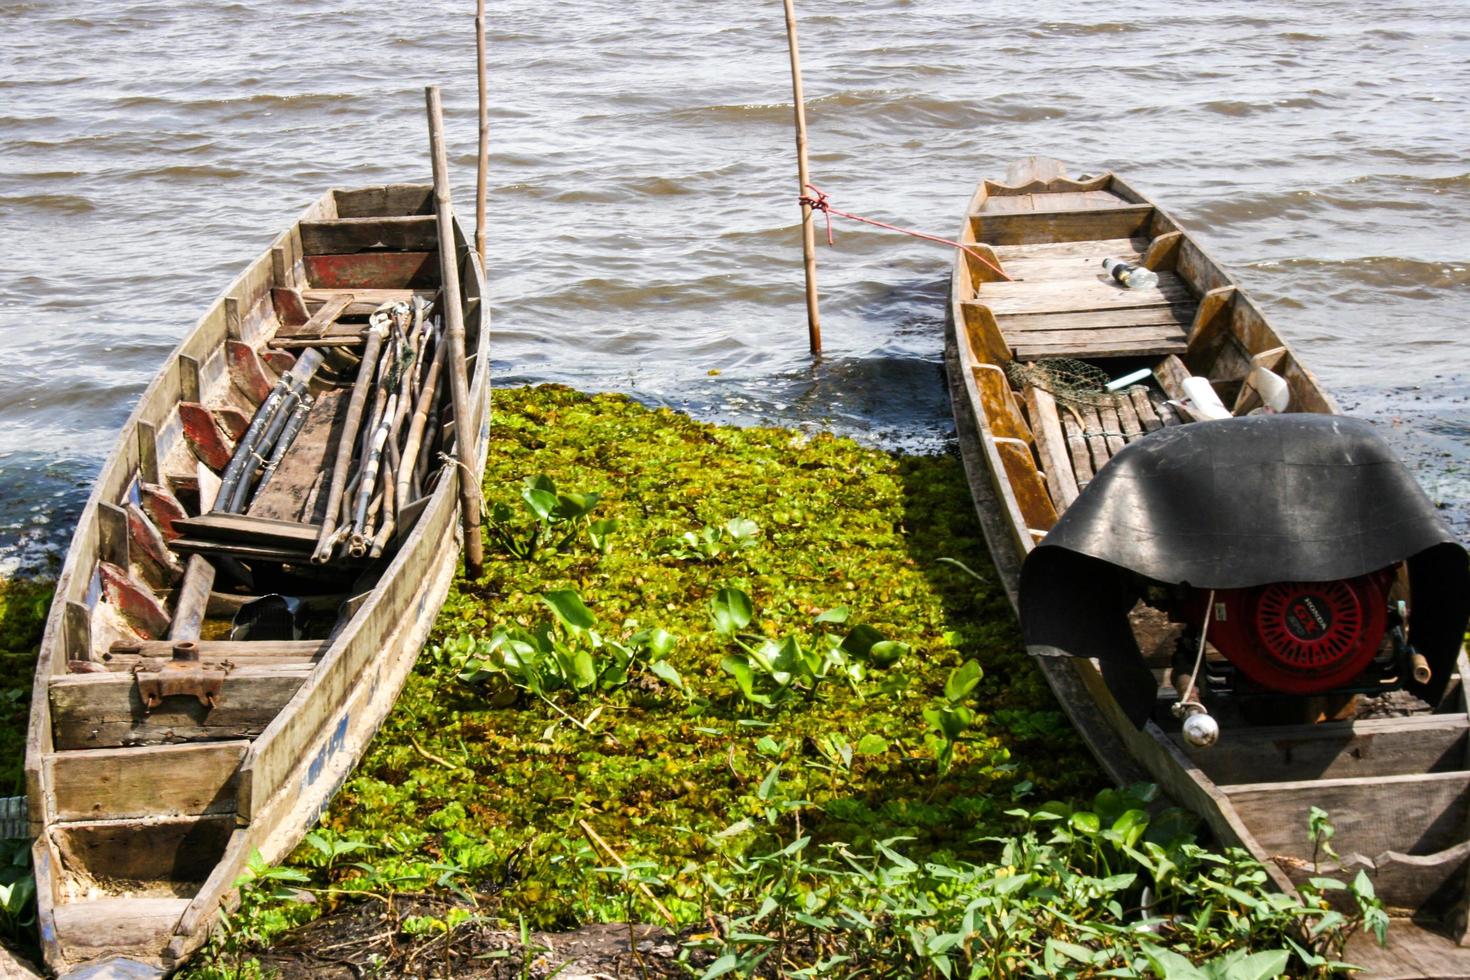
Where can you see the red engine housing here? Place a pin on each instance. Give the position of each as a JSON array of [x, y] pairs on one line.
[[1303, 637]]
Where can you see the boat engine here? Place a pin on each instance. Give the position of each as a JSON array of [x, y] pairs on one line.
[[1309, 638]]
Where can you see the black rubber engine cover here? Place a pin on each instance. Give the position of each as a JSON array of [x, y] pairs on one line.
[[1237, 503]]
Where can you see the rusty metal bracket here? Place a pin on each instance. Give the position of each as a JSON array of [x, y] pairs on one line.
[[181, 675]]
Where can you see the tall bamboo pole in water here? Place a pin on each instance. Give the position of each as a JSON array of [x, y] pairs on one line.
[[465, 436], [480, 188], [808, 229]]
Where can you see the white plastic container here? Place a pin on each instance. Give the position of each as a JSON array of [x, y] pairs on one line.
[[1201, 401]]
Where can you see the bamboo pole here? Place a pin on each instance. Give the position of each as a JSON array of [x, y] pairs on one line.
[[484, 170], [808, 226], [464, 425]]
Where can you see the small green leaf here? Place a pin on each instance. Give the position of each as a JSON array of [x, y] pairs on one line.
[[570, 609], [665, 672], [962, 680], [837, 614], [541, 503], [886, 653], [871, 744], [732, 611]]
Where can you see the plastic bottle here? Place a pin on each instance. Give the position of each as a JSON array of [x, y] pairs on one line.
[[1132, 276]]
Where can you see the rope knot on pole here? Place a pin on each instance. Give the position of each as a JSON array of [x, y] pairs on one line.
[[819, 202]]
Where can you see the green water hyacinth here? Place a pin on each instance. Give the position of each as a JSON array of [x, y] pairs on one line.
[[768, 672], [563, 654], [556, 520]]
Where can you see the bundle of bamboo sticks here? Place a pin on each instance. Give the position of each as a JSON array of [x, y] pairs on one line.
[[383, 454]]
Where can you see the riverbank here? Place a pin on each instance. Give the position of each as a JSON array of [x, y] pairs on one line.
[[729, 682]]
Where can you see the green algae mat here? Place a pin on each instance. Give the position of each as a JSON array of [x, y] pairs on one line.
[[667, 527]]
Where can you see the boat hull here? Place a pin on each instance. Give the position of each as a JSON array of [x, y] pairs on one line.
[[1048, 230], [138, 846]]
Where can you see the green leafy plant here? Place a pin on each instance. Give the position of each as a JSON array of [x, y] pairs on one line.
[[950, 717], [548, 519], [563, 654], [769, 672], [711, 541], [17, 891], [1103, 891]]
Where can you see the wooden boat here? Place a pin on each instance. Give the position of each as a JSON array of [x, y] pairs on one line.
[[160, 755], [1396, 784]]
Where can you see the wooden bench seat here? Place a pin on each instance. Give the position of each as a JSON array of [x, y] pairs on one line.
[[1087, 315], [105, 710]]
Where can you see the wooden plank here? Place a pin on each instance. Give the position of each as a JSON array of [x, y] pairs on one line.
[[167, 849], [1331, 750], [1131, 428], [1180, 316], [1417, 813], [150, 549], [1078, 295], [147, 452], [1112, 428], [287, 554], [281, 271], [1094, 338], [234, 328], [1002, 413], [986, 341], [1211, 328], [1026, 482], [319, 322], [388, 270], [231, 421], [192, 600], [249, 528], [1100, 349], [364, 301], [1007, 204], [278, 361], [1131, 249], [1143, 408], [248, 375], [1077, 450], [112, 534], [389, 199], [1163, 252], [1061, 226], [189, 379], [157, 781], [104, 710], [404, 233], [245, 651], [331, 340], [77, 631], [286, 495], [133, 600], [1414, 952], [204, 436], [289, 305], [1051, 446], [1168, 415], [1171, 374], [94, 928], [1092, 431]]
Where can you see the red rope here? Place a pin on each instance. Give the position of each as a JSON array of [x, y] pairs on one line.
[[820, 203]]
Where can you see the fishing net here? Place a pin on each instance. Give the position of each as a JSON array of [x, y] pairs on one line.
[[1067, 379]]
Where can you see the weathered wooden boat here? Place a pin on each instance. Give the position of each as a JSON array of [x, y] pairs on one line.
[[1272, 578], [204, 684]]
